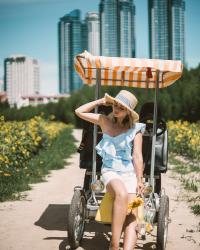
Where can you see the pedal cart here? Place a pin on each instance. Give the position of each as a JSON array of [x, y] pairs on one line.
[[127, 72]]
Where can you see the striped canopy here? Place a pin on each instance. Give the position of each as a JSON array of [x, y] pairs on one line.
[[130, 72]]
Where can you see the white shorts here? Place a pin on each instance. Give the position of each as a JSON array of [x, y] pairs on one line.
[[129, 179]]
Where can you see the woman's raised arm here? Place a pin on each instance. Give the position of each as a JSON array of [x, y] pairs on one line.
[[84, 111]]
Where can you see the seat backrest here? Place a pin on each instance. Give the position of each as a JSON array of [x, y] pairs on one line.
[[147, 110], [161, 148]]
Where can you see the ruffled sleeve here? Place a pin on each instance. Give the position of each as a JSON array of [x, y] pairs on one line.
[[138, 127], [106, 149]]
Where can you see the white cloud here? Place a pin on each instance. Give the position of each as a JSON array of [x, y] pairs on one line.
[[48, 77]]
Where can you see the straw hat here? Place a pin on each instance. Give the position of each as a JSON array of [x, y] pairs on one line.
[[125, 99]]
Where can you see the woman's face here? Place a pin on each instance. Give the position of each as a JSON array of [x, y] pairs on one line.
[[119, 111]]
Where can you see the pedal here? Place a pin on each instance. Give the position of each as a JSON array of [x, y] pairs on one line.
[[92, 207], [77, 188]]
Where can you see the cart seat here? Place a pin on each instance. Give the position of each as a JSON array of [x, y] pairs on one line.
[[161, 147]]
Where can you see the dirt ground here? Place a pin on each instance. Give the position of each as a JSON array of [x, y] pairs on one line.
[[39, 220]]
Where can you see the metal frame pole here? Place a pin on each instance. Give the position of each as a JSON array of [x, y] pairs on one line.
[[154, 130], [97, 95]]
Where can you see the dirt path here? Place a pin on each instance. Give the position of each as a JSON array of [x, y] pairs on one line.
[[39, 221]]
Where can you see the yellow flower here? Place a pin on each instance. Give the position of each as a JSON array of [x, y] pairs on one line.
[[6, 174], [23, 133], [7, 140], [38, 138], [135, 203]]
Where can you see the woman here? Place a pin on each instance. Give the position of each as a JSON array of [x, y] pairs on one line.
[[122, 168]]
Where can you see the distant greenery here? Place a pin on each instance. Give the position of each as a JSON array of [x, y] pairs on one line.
[[180, 101]]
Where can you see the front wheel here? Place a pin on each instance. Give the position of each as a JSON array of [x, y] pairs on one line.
[[163, 220], [76, 219]]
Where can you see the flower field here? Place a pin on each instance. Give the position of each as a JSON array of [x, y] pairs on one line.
[[19, 141], [184, 138], [28, 150]]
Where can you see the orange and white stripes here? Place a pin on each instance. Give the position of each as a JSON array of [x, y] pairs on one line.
[[130, 72]]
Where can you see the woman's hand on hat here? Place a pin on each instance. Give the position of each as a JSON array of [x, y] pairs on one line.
[[102, 101]]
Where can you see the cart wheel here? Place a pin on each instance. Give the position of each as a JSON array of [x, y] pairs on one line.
[[76, 219], [158, 184], [162, 226]]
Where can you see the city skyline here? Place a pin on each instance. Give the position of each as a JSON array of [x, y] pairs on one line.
[[30, 28], [111, 32]]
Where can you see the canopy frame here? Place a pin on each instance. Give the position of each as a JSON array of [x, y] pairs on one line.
[[128, 72], [97, 96]]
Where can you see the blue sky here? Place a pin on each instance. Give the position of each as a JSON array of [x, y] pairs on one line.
[[29, 27]]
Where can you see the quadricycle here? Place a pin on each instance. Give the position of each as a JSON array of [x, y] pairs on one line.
[[133, 73]]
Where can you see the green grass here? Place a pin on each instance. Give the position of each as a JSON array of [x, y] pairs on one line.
[[52, 157], [190, 185], [184, 167], [196, 209]]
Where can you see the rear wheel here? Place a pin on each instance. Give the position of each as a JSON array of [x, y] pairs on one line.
[[158, 184], [76, 219], [163, 219]]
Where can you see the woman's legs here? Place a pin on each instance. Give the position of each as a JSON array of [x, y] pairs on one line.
[[117, 189], [130, 236]]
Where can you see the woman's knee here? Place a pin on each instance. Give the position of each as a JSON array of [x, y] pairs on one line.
[[121, 195], [117, 189]]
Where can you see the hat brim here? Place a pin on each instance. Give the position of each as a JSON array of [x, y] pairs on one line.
[[111, 100]]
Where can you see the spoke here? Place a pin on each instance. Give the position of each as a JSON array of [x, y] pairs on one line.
[[79, 221]]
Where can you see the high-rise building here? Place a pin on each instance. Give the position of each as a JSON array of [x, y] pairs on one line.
[[21, 77], [166, 29], [93, 33], [84, 35], [109, 27], [127, 28], [117, 28], [70, 44], [178, 29]]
